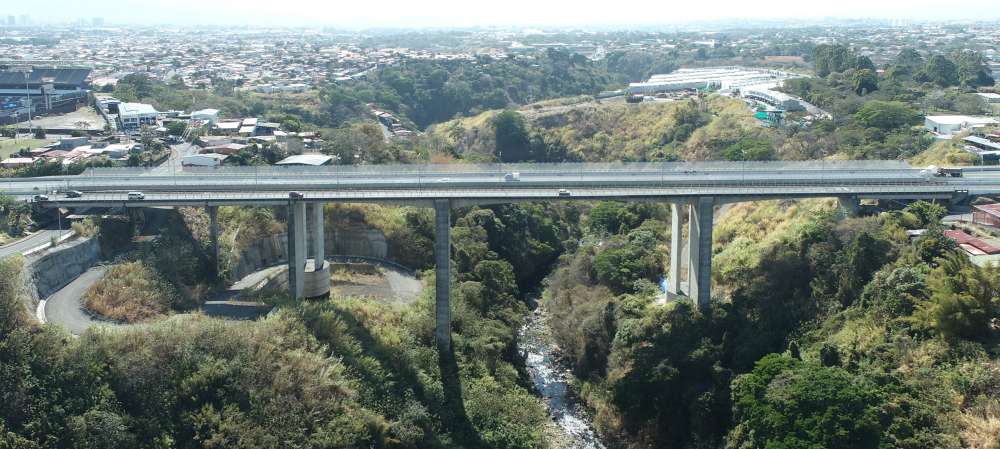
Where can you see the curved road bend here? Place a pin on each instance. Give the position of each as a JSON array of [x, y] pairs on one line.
[[31, 242], [65, 306]]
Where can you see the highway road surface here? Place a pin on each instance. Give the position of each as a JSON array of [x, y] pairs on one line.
[[42, 237], [498, 182]]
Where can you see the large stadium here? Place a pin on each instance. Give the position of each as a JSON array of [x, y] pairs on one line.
[[48, 86]]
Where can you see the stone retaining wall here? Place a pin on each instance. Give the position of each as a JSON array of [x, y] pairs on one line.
[[53, 269]]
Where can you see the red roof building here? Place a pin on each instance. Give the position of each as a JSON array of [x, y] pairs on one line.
[[986, 214], [965, 241]]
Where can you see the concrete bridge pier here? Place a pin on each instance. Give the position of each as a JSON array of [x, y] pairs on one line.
[[674, 276], [307, 278], [296, 248], [317, 270], [700, 220], [213, 233], [442, 275]]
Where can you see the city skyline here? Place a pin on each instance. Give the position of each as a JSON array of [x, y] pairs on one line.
[[455, 14]]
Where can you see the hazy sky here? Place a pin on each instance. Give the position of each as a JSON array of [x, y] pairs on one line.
[[455, 13]]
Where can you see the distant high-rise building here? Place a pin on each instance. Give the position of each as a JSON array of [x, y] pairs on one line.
[[11, 20], [97, 21], [25, 20]]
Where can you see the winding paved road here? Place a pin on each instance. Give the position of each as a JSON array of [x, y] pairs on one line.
[[65, 308]]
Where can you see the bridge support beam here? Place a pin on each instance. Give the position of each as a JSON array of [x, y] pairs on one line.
[[442, 274], [213, 234], [850, 205], [296, 248], [674, 276], [701, 215]]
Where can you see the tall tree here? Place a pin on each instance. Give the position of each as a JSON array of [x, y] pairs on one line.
[[865, 82], [972, 70], [939, 70]]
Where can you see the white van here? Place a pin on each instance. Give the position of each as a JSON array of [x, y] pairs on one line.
[[136, 196]]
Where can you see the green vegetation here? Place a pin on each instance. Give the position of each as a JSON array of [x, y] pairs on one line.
[[130, 292], [428, 92], [610, 131], [337, 373], [869, 321], [8, 147], [15, 216]]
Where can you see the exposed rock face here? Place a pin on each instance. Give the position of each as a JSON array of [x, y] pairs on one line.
[[54, 269]]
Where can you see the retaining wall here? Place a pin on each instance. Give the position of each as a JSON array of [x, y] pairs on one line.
[[54, 269], [351, 241]]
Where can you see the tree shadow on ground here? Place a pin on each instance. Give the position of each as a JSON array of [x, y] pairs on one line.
[[451, 411]]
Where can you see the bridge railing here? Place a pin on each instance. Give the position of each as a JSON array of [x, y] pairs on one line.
[[497, 168]]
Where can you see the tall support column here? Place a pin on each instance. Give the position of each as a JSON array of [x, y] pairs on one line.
[[850, 205], [318, 236], [442, 274], [674, 276], [296, 248], [700, 250], [213, 233]]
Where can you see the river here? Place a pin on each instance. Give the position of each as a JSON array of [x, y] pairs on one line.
[[551, 379]]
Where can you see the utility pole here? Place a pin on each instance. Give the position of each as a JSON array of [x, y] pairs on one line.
[[26, 70]]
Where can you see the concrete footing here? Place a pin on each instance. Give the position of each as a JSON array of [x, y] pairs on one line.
[[316, 280]]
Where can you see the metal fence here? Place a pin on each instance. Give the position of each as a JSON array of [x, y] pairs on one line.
[[523, 168]]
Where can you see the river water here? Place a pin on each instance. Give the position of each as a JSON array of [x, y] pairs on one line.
[[551, 379]]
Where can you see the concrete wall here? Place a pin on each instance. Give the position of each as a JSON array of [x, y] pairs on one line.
[[52, 270], [260, 254], [353, 239], [357, 240]]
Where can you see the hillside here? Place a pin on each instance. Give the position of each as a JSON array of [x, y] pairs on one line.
[[607, 130]]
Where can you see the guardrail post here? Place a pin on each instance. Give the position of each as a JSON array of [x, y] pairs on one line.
[[701, 214], [442, 274]]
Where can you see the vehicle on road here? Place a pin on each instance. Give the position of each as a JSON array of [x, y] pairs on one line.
[[512, 176], [40, 198], [136, 196], [444, 180], [296, 195], [564, 192], [73, 193]]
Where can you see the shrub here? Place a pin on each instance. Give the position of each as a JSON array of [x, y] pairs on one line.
[[131, 292]]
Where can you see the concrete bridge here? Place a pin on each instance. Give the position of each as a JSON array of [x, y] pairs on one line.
[[694, 188]]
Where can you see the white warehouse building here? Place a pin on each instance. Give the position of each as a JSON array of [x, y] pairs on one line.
[[731, 77], [134, 115], [946, 125], [772, 97]]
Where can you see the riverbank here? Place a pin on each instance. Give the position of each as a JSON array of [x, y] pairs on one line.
[[552, 379]]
